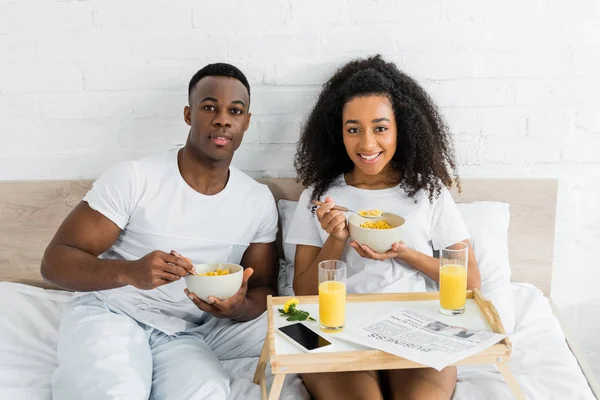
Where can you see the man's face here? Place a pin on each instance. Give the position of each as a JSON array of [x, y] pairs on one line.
[[218, 116]]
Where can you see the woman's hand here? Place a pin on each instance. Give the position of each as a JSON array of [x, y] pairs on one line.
[[332, 221], [398, 250]]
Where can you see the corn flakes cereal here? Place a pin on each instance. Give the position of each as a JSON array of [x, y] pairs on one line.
[[381, 224], [371, 213], [217, 272]]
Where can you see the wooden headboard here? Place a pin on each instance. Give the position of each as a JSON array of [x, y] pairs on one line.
[[31, 211]]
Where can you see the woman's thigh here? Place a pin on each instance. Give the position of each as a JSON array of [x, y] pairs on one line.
[[363, 385], [421, 383]]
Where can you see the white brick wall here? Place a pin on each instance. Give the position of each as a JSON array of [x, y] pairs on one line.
[[84, 84]]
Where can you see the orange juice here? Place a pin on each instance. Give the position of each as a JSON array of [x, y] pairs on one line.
[[453, 287], [332, 304]]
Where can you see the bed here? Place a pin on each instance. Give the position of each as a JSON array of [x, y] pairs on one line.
[[541, 361]]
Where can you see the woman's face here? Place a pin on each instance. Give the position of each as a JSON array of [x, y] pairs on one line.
[[369, 127]]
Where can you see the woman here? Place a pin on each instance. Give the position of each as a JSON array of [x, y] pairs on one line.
[[375, 140]]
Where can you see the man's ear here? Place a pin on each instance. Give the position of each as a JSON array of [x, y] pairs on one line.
[[248, 122], [187, 115]]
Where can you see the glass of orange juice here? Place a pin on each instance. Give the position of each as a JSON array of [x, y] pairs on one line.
[[453, 278], [332, 295]]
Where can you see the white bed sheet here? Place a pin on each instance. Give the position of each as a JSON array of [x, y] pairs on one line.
[[541, 360]]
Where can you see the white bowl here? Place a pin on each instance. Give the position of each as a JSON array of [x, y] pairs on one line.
[[221, 287], [379, 240]]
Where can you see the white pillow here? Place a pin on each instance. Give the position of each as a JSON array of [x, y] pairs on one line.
[[286, 210], [487, 222]]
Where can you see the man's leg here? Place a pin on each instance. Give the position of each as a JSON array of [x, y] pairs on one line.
[[229, 339], [185, 368], [101, 355]]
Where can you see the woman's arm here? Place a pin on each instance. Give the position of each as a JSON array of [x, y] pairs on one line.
[[430, 266], [306, 270]]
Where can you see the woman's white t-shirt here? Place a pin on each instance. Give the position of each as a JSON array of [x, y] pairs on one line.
[[431, 226]]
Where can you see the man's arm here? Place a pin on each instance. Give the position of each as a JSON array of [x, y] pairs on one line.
[[262, 258], [70, 260], [261, 263]]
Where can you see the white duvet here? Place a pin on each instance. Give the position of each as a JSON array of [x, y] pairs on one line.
[[541, 360]]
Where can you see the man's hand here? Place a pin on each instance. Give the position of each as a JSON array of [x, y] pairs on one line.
[[156, 269], [234, 307], [398, 249]]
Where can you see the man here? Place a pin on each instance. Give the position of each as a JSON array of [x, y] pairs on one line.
[[133, 331]]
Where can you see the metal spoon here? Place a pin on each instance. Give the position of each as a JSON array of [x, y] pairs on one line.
[[346, 209]]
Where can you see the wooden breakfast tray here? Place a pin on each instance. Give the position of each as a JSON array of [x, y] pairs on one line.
[[285, 358]]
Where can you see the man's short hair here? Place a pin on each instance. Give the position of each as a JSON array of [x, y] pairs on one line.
[[218, 69]]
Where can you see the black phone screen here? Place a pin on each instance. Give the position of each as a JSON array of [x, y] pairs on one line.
[[304, 336]]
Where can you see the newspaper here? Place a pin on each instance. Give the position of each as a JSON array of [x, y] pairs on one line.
[[421, 339]]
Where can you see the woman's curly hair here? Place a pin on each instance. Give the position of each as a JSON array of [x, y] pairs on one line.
[[424, 155]]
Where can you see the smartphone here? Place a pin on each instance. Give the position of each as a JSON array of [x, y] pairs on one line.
[[304, 336]]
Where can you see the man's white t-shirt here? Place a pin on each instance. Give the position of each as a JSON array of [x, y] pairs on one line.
[[430, 226], [157, 210]]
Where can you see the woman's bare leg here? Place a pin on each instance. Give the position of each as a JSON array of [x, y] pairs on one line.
[[363, 385], [421, 383]]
